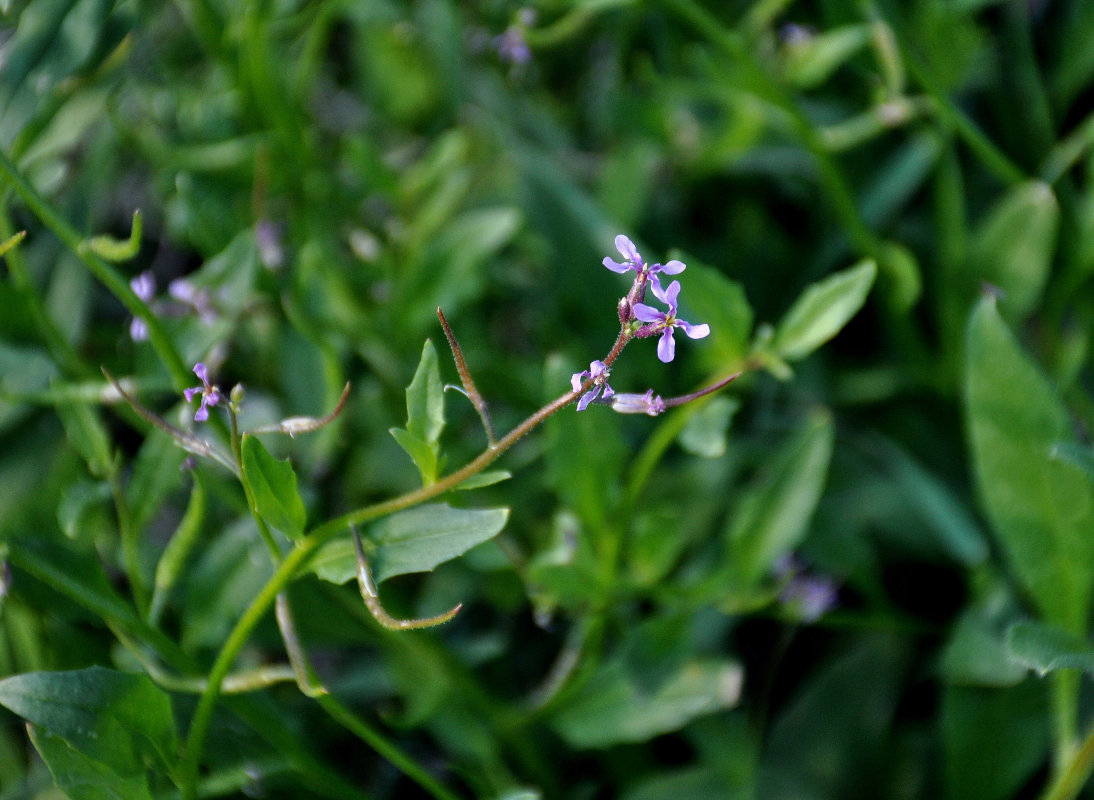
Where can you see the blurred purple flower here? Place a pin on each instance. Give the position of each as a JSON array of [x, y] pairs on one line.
[[144, 287], [809, 597], [210, 394], [197, 300], [268, 242], [511, 46], [599, 373], [665, 323]]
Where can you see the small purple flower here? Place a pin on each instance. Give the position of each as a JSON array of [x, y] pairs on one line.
[[659, 321], [210, 394], [647, 403], [268, 242], [809, 597], [633, 262], [511, 46], [599, 373], [197, 300], [144, 287]]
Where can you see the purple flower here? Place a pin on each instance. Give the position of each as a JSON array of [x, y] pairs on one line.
[[196, 300], [635, 263], [144, 287], [809, 597], [659, 321], [210, 394], [647, 403], [599, 373]]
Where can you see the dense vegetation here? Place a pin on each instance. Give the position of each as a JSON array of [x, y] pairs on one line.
[[861, 569]]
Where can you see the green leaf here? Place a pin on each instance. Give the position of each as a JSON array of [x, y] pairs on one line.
[[273, 483], [809, 63], [425, 399], [712, 298], [415, 540], [155, 475], [1013, 247], [78, 501], [615, 707], [87, 435], [1046, 649], [822, 310], [486, 478], [773, 518], [649, 686], [976, 654], [120, 720], [1009, 723], [704, 434], [221, 582], [1075, 454], [81, 777], [1041, 509], [421, 453], [584, 455], [424, 416]]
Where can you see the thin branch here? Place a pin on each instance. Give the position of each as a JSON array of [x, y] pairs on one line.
[[465, 378]]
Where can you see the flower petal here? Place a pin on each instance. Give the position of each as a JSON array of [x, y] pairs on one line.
[[695, 331], [673, 267], [645, 313], [202, 414], [189, 393], [615, 266], [200, 371], [666, 346], [627, 249], [587, 398], [577, 379], [669, 296]]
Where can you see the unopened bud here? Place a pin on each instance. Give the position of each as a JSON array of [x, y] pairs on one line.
[[647, 403]]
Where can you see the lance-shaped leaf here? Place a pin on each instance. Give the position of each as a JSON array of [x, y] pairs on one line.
[[773, 518], [415, 540], [273, 484], [1041, 508], [118, 720], [822, 310], [425, 416]]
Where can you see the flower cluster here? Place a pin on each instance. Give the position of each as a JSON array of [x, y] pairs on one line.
[[640, 321]]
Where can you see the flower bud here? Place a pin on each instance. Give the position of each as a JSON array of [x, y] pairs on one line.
[[638, 403]]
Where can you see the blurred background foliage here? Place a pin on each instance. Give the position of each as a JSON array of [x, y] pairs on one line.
[[322, 175]]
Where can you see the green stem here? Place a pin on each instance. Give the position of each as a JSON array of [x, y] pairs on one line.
[[63, 352], [378, 742], [1073, 774], [104, 272], [299, 556]]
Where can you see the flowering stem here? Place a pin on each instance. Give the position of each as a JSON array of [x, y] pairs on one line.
[[298, 557]]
